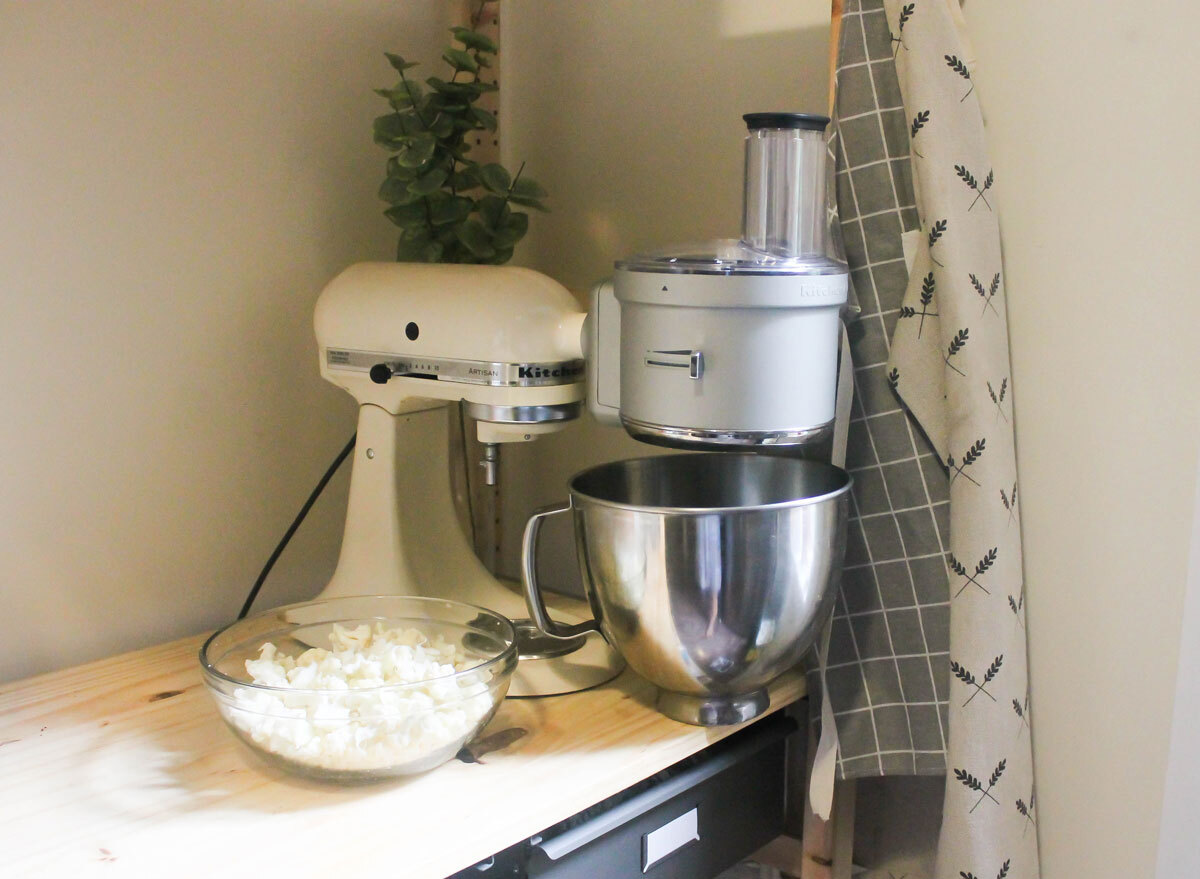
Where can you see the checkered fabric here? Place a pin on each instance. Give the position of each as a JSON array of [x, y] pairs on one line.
[[887, 672]]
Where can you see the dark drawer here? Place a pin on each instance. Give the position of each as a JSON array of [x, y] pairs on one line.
[[691, 825]]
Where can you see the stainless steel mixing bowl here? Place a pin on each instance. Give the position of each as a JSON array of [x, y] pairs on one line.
[[710, 573]]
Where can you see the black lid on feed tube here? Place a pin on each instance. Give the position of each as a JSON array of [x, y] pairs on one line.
[[806, 121]]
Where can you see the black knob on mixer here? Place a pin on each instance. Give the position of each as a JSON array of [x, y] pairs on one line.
[[381, 373]]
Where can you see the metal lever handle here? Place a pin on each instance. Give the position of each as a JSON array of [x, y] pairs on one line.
[[686, 358], [533, 594]]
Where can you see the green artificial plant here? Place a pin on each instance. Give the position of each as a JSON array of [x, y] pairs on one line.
[[449, 208]]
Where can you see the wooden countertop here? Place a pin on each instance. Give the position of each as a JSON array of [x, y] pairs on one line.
[[123, 767]]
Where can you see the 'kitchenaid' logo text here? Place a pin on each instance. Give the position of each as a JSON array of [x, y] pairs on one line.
[[569, 371]]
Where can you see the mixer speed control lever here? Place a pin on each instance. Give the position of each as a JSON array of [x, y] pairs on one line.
[[381, 373]]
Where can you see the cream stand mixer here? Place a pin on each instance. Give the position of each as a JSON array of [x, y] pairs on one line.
[[405, 338]]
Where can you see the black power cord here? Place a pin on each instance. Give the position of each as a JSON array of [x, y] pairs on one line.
[[312, 499]]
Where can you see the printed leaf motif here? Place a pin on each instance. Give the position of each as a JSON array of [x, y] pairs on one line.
[[969, 179], [927, 290], [981, 568], [1026, 813], [906, 12], [893, 379], [975, 452], [1003, 871], [935, 232], [997, 772], [919, 122], [953, 62], [958, 66], [968, 780], [957, 344], [962, 674]]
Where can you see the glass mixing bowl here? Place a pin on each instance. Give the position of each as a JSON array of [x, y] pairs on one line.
[[371, 728]]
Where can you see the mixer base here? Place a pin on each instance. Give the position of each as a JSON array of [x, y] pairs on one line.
[[712, 710]]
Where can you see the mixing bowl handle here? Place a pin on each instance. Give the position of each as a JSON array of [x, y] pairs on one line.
[[533, 593]]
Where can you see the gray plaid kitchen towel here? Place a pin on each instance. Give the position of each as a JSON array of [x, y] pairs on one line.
[[887, 672]]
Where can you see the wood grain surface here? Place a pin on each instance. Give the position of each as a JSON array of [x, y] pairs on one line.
[[123, 767]]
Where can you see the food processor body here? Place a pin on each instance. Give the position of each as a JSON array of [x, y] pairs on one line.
[[732, 343]]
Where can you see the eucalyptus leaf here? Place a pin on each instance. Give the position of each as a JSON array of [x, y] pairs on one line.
[[428, 183], [495, 178], [442, 126], [453, 210], [474, 40], [417, 250], [483, 118], [405, 215], [388, 128], [500, 257], [476, 239], [511, 231], [417, 151], [525, 187], [460, 60], [465, 179], [529, 203], [468, 90], [492, 211], [395, 191], [399, 63]]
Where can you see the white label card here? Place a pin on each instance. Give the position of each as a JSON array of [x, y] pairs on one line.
[[672, 836]]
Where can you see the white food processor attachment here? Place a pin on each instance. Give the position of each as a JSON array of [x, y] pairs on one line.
[[731, 344], [405, 339]]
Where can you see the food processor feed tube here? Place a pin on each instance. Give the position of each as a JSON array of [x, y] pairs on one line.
[[783, 202]]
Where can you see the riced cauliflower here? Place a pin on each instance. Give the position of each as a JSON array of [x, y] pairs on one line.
[[346, 712]]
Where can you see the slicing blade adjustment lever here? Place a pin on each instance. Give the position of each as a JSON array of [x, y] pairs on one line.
[[683, 358]]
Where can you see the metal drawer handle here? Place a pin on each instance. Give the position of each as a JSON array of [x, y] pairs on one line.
[[686, 358]]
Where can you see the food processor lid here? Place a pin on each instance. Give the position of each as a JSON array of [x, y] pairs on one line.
[[806, 121], [728, 256]]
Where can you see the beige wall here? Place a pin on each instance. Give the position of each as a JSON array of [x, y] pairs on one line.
[[1093, 129], [177, 182], [631, 118]]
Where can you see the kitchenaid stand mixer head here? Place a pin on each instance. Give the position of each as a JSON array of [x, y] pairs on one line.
[[406, 338]]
